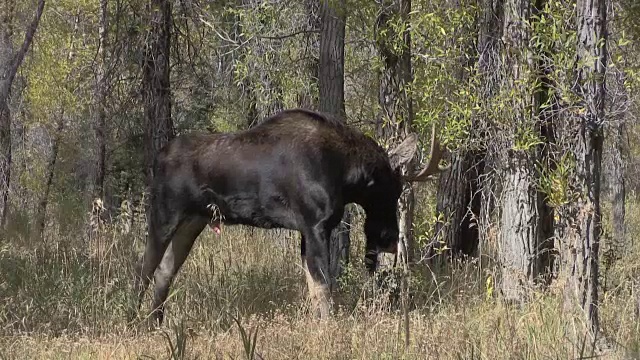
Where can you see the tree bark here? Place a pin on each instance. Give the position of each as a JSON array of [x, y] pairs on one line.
[[458, 199], [619, 185], [331, 70], [156, 89], [9, 65], [459, 203], [100, 127], [307, 98], [10, 70], [522, 232], [331, 100], [5, 160], [396, 117], [524, 228], [584, 241], [41, 214], [488, 49], [545, 105]]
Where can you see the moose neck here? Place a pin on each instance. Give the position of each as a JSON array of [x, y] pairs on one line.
[[369, 178]]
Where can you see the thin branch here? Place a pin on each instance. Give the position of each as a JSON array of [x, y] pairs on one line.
[[282, 37], [19, 57]]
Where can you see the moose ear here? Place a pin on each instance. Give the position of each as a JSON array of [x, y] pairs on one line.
[[404, 152]]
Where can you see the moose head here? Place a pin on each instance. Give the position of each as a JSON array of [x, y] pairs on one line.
[[296, 170]]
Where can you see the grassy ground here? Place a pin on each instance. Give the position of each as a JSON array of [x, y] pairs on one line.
[[67, 299]]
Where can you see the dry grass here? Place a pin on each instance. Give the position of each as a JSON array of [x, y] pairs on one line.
[[68, 299]]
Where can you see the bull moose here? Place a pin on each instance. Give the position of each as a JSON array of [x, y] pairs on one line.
[[296, 170]]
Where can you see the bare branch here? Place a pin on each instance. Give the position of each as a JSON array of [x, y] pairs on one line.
[[286, 36], [19, 56]]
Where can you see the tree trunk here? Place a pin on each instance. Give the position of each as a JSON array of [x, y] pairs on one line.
[[41, 214], [5, 160], [307, 98], [618, 186], [331, 100], [521, 228], [457, 199], [545, 104], [458, 202], [396, 117], [331, 70], [9, 65], [6, 56], [488, 49], [100, 104], [524, 229], [156, 83], [584, 242]]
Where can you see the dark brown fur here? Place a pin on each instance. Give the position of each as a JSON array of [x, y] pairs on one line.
[[296, 170]]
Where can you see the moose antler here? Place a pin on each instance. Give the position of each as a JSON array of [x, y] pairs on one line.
[[433, 166]]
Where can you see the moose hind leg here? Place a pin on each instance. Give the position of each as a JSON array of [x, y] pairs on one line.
[[173, 258]]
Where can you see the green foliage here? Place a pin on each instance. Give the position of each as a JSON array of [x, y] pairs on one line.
[[555, 181], [230, 57], [526, 139], [390, 35], [554, 36], [443, 80], [57, 64]]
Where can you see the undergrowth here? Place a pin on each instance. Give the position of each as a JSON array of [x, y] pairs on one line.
[[241, 294]]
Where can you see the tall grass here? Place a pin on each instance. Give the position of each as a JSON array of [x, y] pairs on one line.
[[242, 295]]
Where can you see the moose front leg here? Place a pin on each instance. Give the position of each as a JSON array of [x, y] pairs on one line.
[[315, 263], [173, 258]]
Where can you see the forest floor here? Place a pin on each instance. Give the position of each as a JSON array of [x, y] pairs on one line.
[[67, 299]]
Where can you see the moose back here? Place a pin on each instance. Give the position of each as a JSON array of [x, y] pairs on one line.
[[296, 170]]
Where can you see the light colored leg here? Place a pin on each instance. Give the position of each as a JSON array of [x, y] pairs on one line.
[[155, 247], [173, 258], [315, 263]]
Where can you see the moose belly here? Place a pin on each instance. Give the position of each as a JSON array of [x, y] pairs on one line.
[[244, 210]]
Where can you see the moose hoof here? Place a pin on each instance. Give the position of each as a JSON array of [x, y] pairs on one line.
[[322, 308], [152, 324], [323, 311]]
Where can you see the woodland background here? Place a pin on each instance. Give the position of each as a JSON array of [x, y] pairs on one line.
[[526, 248]]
